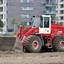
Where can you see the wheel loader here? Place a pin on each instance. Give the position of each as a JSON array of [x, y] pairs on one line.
[[41, 34]]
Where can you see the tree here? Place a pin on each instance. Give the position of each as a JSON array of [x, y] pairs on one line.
[[1, 23], [23, 24], [13, 21], [15, 24]]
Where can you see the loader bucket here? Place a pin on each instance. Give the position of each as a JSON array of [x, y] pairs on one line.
[[17, 46], [7, 42]]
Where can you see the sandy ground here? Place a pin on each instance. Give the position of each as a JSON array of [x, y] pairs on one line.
[[7, 57]]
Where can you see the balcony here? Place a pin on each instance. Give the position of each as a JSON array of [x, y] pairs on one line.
[[50, 4], [50, 12]]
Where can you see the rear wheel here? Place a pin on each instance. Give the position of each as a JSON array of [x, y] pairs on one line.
[[32, 44], [58, 43]]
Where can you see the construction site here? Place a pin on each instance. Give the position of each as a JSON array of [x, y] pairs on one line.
[[41, 43], [31, 31]]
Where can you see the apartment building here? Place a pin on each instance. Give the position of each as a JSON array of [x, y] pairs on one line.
[[3, 15], [60, 11], [49, 8], [24, 10]]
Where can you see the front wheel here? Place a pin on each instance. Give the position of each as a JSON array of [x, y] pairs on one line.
[[32, 44], [58, 43]]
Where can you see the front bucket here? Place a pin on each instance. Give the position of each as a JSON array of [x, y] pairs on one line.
[[7, 42]]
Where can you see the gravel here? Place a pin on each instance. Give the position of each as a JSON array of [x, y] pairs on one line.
[[7, 57]]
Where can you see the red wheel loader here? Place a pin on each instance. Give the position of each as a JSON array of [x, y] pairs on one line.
[[42, 33]]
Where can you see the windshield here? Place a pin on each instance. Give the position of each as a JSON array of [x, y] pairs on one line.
[[36, 21], [39, 21], [46, 22]]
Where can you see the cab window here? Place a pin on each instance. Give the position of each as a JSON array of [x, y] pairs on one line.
[[41, 22], [46, 22]]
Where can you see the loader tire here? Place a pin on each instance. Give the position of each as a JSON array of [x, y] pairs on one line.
[[58, 43], [32, 44]]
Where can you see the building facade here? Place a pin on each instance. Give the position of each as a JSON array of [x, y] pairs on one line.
[[24, 10], [3, 16], [60, 11], [49, 8]]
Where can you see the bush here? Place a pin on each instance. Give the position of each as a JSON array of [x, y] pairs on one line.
[[13, 33]]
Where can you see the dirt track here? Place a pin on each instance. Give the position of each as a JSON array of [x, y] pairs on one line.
[[31, 58]]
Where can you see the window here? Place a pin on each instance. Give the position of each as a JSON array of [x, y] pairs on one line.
[[53, 8], [25, 15], [27, 8], [21, 0], [62, 5], [47, 1], [61, 11], [27, 1], [46, 22], [52, 2], [61, 0], [61, 17], [1, 9], [1, 1], [1, 16], [50, 9], [36, 21], [41, 22]]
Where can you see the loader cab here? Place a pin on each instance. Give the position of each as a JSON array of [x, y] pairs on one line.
[[45, 24]]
